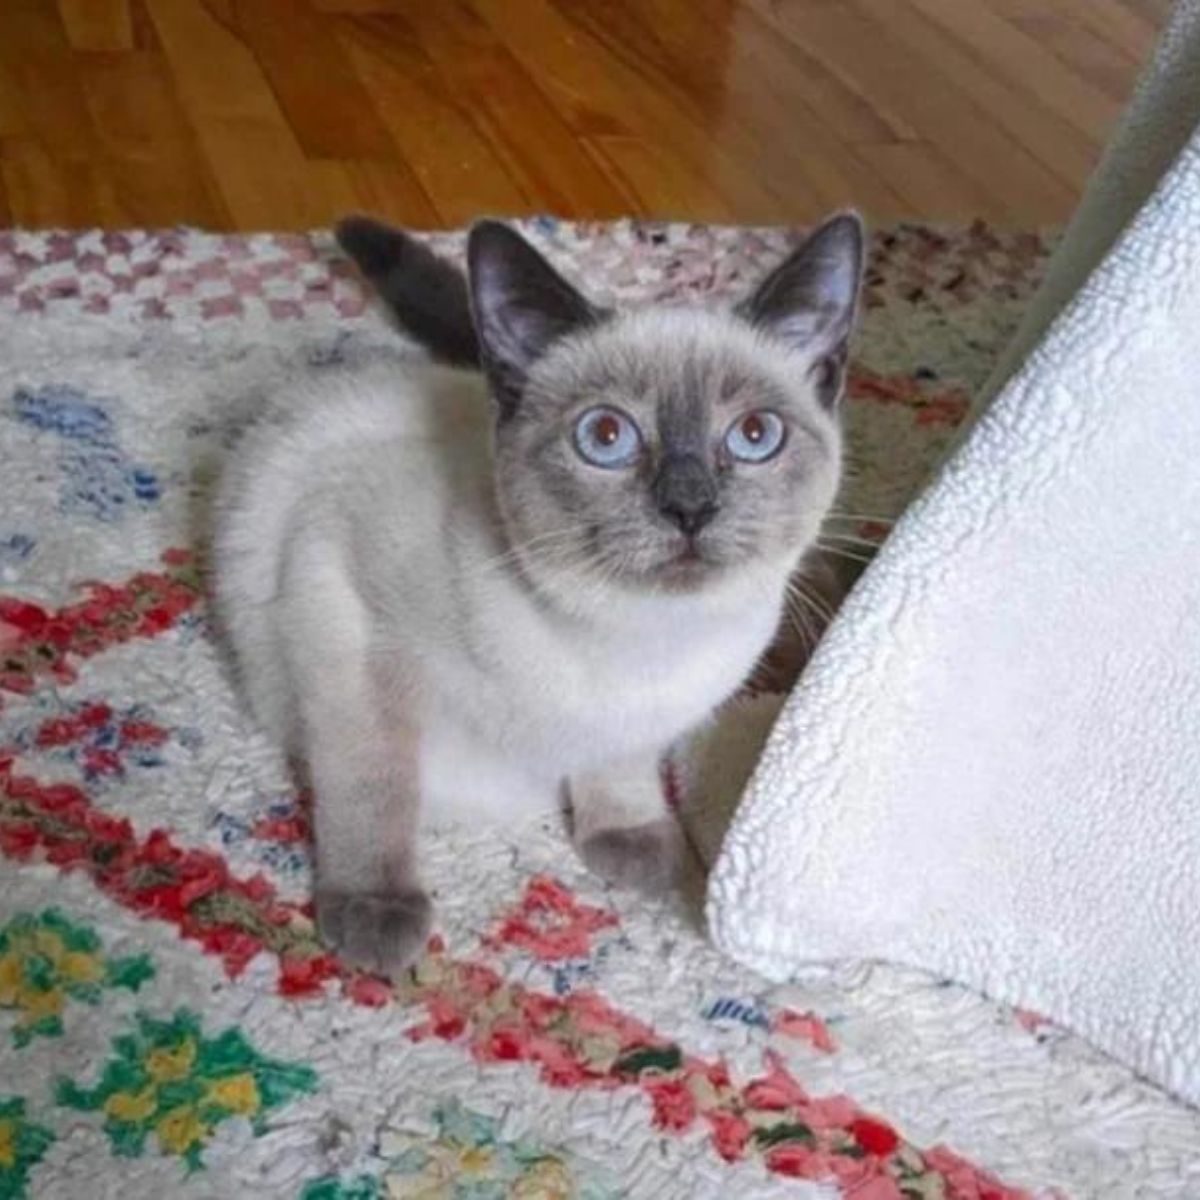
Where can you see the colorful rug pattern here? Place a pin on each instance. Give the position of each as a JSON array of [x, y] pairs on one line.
[[169, 1022]]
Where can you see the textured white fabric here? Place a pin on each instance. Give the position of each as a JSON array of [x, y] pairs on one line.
[[991, 769]]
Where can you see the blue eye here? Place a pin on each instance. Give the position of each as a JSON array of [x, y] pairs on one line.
[[755, 437], [606, 437]]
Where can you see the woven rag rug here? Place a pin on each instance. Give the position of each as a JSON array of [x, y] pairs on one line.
[[169, 1022]]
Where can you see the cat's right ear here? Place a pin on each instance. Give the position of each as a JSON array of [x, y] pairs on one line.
[[810, 301], [521, 306]]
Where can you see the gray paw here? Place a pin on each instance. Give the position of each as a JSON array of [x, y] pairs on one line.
[[382, 932], [647, 857]]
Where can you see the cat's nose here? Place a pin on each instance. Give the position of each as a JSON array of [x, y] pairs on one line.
[[686, 492], [690, 519]]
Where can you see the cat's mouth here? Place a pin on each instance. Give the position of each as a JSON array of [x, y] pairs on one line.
[[687, 565]]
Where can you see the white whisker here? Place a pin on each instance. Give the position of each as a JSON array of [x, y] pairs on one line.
[[815, 603], [869, 517], [829, 535], [849, 555]]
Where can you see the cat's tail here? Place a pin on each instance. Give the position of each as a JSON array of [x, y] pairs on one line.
[[426, 294]]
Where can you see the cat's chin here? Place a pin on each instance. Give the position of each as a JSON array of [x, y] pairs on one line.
[[688, 570]]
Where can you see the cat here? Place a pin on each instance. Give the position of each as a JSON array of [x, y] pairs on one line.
[[465, 589], [427, 297]]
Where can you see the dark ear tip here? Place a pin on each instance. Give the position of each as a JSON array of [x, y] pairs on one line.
[[355, 231], [847, 224], [490, 233], [489, 226], [375, 246]]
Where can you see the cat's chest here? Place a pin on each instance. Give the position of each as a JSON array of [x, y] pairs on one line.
[[595, 697]]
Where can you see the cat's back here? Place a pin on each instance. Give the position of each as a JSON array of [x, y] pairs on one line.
[[329, 449], [327, 422], [328, 431]]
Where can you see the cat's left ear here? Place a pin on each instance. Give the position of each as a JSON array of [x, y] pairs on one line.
[[810, 300], [520, 306]]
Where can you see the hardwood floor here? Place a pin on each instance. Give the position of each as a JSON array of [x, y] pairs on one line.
[[249, 114]]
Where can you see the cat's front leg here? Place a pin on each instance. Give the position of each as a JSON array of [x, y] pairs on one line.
[[623, 829], [360, 741], [370, 904]]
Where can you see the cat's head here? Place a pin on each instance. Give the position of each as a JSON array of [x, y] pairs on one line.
[[664, 449], [650, 450]]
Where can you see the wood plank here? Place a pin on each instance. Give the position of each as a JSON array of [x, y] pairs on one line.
[[216, 74], [147, 143], [330, 112], [42, 95], [263, 181], [664, 191], [849, 115], [50, 96], [930, 183], [1002, 48], [359, 8], [1117, 24], [689, 44], [683, 41], [794, 145], [390, 191], [524, 131], [45, 192], [248, 146], [456, 167], [1159, 11], [32, 27], [1083, 50], [235, 113], [597, 94], [763, 119], [222, 11], [1018, 110], [766, 92], [97, 24], [867, 53], [1121, 27], [336, 188], [13, 119]]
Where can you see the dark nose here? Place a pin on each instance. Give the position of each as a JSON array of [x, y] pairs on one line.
[[686, 492], [690, 520]]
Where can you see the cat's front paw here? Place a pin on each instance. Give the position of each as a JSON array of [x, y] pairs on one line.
[[381, 932], [647, 857]]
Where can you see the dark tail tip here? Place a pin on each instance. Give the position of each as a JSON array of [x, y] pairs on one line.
[[426, 294]]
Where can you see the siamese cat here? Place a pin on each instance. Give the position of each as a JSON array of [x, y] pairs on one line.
[[466, 588]]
